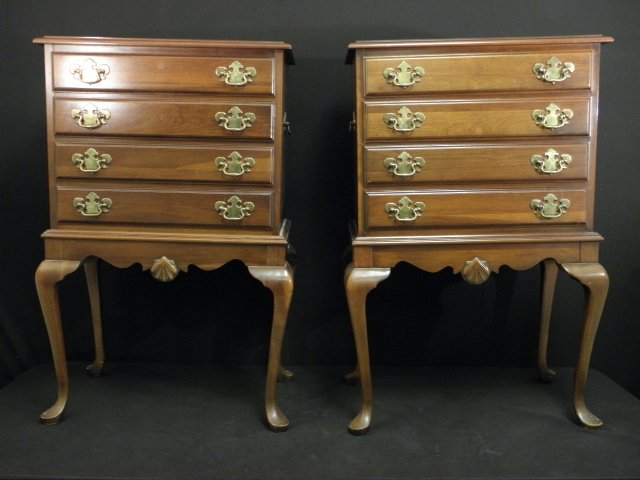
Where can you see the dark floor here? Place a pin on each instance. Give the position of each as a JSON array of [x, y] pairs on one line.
[[192, 422]]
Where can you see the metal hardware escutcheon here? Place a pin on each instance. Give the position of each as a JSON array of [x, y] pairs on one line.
[[235, 165], [235, 119], [236, 74], [91, 161], [91, 205], [404, 121], [552, 117], [89, 71], [405, 210], [550, 207], [551, 162], [234, 208], [476, 271], [554, 70], [404, 165], [403, 75], [164, 269], [90, 116]]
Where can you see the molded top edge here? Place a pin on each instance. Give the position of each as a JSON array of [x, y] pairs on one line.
[[458, 42], [168, 42]]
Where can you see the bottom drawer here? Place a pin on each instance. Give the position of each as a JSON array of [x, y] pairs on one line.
[[165, 207], [476, 208]]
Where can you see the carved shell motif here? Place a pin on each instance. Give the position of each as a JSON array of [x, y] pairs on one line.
[[164, 269], [476, 271]]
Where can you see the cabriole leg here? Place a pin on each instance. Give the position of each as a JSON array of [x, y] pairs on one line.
[[91, 272], [549, 276], [358, 283], [280, 281], [595, 281], [48, 275]]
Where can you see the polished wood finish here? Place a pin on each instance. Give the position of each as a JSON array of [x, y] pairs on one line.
[[164, 73], [475, 180], [162, 140], [474, 72], [473, 163], [475, 118], [166, 162], [193, 117], [159, 205]]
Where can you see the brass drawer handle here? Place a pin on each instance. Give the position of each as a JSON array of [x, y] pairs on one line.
[[235, 120], [236, 74], [554, 70], [403, 75], [552, 117], [235, 165], [551, 162], [404, 121], [404, 165], [89, 71], [405, 210], [550, 207], [90, 116], [91, 205], [234, 208], [91, 161]]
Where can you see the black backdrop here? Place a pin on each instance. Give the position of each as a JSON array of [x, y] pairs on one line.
[[223, 316]]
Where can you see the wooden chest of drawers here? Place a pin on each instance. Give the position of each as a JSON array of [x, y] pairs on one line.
[[474, 154], [166, 153]]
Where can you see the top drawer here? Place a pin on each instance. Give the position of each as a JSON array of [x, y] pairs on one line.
[[226, 75], [424, 74]]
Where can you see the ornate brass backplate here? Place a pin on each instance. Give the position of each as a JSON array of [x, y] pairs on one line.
[[403, 75], [164, 269], [405, 210], [551, 162], [89, 71], [554, 70], [235, 165], [404, 165], [236, 74], [476, 271], [90, 116], [404, 121], [552, 117], [235, 120], [550, 207], [91, 205], [91, 161], [234, 208]]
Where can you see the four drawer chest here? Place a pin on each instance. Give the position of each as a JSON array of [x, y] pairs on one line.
[[166, 153], [476, 154]]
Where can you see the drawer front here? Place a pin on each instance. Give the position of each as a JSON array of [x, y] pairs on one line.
[[423, 74], [160, 118], [473, 119], [475, 163], [161, 206], [233, 165], [478, 208], [226, 75]]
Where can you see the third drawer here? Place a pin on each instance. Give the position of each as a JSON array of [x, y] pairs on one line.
[[198, 163], [541, 162]]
